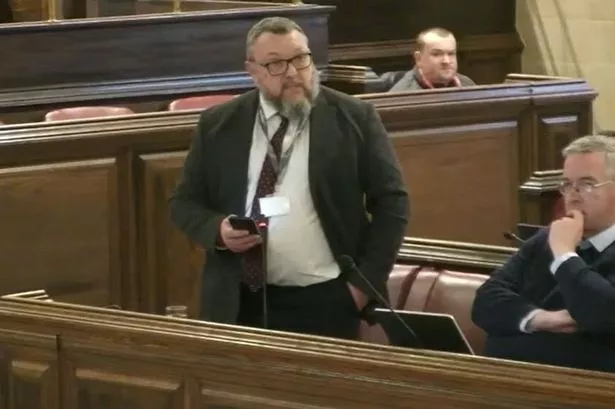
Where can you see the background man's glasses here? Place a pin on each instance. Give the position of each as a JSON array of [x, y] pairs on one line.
[[585, 187]]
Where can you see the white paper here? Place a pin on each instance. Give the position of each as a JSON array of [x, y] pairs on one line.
[[274, 206]]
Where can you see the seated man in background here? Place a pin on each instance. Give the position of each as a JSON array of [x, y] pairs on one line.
[[554, 301], [435, 64]]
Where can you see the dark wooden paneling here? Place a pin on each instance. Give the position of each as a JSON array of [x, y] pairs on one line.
[[30, 105], [449, 190], [94, 385], [169, 46], [557, 131], [60, 230], [29, 374], [169, 263], [6, 13], [357, 21]]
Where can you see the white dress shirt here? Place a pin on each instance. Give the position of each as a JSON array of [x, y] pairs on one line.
[[298, 253]]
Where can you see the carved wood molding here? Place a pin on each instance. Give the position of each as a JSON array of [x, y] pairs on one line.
[[164, 87], [453, 253], [542, 182]]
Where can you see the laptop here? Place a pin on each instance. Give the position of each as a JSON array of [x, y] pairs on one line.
[[437, 332]]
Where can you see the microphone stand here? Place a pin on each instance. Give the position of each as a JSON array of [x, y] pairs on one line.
[[262, 227], [348, 264], [512, 236]]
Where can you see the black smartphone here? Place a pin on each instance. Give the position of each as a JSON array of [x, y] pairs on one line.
[[244, 223]]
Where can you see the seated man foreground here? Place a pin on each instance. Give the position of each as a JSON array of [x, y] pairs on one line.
[[554, 301], [435, 64]]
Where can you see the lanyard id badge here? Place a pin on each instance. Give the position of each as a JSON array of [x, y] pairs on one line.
[[280, 166]]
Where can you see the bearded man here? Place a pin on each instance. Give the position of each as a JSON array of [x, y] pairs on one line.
[[313, 166]]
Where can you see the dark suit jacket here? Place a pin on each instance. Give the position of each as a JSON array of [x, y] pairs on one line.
[[525, 283], [352, 171]]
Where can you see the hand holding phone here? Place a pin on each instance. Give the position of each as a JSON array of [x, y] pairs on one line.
[[244, 223], [239, 234]]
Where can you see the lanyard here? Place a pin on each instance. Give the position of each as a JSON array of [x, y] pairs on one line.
[[280, 166]]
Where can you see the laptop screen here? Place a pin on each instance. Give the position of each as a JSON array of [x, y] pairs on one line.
[[432, 331]]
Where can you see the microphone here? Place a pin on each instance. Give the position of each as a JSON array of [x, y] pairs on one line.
[[262, 228], [348, 264], [512, 236]]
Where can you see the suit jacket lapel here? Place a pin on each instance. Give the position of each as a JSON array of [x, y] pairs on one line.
[[237, 144], [325, 139], [606, 257]]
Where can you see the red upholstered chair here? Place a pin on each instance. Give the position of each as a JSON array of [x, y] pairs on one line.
[[65, 114], [448, 292], [199, 102], [398, 280]]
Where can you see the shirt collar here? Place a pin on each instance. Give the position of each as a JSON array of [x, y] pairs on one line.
[[603, 239], [269, 110]]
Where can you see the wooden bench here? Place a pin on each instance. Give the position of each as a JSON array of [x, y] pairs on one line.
[[68, 356]]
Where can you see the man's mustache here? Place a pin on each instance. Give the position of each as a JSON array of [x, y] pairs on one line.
[[293, 84]]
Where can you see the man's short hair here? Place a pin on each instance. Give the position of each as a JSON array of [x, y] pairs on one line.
[[439, 31], [274, 25], [594, 143]]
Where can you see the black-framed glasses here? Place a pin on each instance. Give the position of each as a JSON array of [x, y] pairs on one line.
[[583, 186], [279, 67]]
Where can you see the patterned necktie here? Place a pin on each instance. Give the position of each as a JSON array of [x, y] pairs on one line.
[[252, 259]]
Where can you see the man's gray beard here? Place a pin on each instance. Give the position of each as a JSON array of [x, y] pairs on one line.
[[300, 109]]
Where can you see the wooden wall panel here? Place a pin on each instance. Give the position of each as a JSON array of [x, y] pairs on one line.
[[170, 263], [29, 377], [60, 230], [110, 384], [170, 50], [557, 131], [451, 177]]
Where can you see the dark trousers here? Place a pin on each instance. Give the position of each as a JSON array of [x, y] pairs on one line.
[[325, 309]]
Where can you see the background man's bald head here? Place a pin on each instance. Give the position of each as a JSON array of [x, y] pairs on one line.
[[430, 36]]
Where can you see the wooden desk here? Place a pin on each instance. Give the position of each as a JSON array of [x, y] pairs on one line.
[[63, 356]]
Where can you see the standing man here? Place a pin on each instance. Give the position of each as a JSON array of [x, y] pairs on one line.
[[554, 301], [317, 162], [435, 66]]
